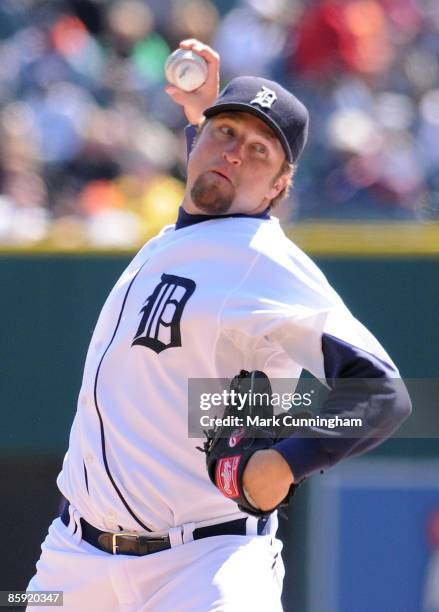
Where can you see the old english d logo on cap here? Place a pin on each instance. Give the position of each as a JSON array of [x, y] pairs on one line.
[[265, 97], [273, 104]]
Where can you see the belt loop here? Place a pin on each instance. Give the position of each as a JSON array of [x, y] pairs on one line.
[[72, 525], [188, 532], [251, 526], [269, 525], [175, 536]]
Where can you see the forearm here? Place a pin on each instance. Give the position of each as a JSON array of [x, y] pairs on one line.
[[381, 405], [270, 473], [362, 387]]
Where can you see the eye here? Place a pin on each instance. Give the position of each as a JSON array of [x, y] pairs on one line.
[[225, 129], [260, 148]]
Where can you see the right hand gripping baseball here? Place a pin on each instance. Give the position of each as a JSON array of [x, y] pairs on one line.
[[195, 102]]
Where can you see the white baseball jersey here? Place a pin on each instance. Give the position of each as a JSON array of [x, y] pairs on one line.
[[202, 300]]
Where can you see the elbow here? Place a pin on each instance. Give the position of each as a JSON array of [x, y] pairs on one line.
[[402, 404], [405, 409], [389, 405]]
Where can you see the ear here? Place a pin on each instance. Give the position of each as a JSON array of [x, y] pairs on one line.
[[278, 185]]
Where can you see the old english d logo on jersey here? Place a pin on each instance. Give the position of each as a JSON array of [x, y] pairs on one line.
[[159, 327], [265, 97]]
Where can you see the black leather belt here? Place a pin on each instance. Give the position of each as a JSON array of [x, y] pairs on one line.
[[133, 544]]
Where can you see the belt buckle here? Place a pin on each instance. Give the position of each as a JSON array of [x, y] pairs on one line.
[[120, 534]]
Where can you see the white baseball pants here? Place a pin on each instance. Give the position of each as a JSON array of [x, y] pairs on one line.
[[217, 574]]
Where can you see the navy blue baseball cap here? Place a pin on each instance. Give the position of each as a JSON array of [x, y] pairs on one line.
[[277, 107]]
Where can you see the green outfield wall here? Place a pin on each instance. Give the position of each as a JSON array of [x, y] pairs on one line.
[[48, 309]]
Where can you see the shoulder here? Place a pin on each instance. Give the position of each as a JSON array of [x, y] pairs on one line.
[[276, 267], [282, 262]]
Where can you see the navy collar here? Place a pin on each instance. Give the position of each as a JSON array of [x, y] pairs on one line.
[[185, 219]]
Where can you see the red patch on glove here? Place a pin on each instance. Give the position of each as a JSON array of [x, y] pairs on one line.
[[226, 476]]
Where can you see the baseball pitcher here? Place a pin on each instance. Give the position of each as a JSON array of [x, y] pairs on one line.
[[150, 523]]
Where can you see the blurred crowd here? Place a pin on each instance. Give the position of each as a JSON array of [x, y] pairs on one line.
[[92, 149]]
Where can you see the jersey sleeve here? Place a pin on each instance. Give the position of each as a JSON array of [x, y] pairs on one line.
[[364, 384], [297, 310]]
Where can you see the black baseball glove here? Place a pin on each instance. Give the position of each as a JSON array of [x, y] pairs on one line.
[[247, 426]]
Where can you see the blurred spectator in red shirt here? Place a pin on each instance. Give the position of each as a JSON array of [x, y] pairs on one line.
[[342, 35]]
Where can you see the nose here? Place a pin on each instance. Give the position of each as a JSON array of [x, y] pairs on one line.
[[232, 154]]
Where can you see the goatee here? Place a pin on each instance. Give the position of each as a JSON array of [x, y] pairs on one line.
[[212, 194]]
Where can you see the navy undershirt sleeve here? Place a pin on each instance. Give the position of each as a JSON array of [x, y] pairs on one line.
[[190, 131], [361, 385]]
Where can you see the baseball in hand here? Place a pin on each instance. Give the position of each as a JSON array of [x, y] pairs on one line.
[[186, 70]]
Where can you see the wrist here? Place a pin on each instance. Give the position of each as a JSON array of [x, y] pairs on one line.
[[267, 479], [194, 117], [279, 466]]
